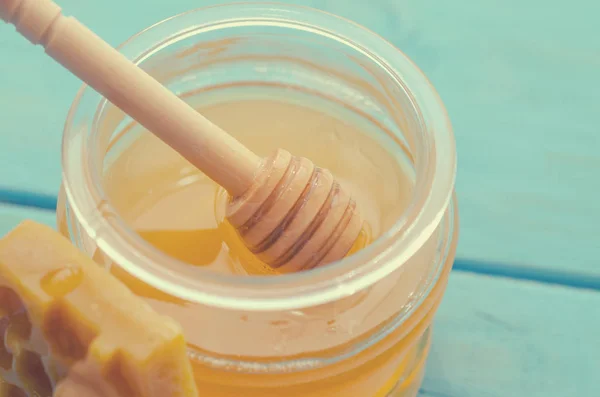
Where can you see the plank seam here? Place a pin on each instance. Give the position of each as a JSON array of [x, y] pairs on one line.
[[26, 198], [577, 280]]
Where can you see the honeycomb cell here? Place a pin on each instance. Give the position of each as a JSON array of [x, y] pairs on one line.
[[6, 358], [9, 301], [63, 340], [9, 304], [120, 380], [10, 390], [55, 371], [32, 374], [18, 332]]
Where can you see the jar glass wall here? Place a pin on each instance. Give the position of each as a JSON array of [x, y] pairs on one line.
[[321, 87]]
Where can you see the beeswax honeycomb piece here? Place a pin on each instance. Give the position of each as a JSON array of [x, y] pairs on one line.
[[72, 329]]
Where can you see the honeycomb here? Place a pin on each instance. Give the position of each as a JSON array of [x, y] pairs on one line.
[[26, 368], [70, 329]]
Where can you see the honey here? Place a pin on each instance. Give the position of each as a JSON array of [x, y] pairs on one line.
[[180, 211]]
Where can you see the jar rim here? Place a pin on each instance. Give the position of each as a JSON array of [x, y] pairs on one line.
[[435, 180]]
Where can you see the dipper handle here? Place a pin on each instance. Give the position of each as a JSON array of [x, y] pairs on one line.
[[205, 145]]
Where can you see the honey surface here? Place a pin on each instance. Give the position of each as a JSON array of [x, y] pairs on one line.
[[180, 211]]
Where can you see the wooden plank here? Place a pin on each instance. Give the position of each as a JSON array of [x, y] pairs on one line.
[[498, 337], [522, 96], [521, 92], [11, 216]]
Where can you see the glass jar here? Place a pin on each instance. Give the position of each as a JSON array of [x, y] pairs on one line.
[[358, 327]]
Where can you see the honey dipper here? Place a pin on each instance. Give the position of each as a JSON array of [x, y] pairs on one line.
[[291, 214]]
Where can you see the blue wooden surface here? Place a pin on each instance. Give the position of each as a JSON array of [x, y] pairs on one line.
[[521, 81], [494, 337]]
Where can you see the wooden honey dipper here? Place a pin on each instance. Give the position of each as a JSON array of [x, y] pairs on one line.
[[291, 214]]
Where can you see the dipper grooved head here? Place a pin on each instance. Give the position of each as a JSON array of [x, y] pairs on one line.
[[295, 216]]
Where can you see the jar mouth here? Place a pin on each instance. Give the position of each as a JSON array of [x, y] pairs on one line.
[[435, 175]]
